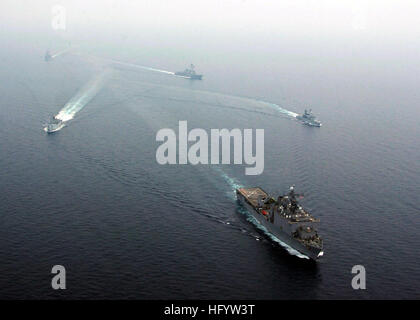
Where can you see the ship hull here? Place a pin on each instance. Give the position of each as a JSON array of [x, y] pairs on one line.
[[196, 77], [189, 76], [280, 233], [309, 123], [55, 129]]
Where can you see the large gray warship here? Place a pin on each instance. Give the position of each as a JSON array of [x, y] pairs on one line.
[[285, 218], [309, 119], [189, 73]]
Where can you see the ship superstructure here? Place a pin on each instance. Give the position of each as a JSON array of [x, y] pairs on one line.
[[285, 218], [189, 73], [309, 119]]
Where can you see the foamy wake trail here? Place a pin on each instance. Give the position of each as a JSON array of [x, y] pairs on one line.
[[132, 65], [60, 53], [234, 184], [82, 97], [283, 111]]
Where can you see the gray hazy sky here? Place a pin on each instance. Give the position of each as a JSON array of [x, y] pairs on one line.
[[384, 17]]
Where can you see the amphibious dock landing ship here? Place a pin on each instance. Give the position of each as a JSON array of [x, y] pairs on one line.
[[189, 73], [309, 119], [285, 218]]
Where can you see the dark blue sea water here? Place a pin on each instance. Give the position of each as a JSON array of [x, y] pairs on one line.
[[93, 198]]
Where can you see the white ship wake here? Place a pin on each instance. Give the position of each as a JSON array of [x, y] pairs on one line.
[[82, 97]]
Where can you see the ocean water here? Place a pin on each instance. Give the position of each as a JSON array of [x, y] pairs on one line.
[[92, 197]]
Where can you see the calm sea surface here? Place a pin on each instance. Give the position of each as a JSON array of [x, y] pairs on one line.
[[92, 197]]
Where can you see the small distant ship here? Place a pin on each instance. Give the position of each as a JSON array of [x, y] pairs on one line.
[[285, 218], [48, 56], [189, 73], [309, 119], [54, 125]]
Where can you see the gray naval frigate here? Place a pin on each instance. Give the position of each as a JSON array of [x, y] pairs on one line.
[[54, 125], [285, 218], [309, 119], [189, 73]]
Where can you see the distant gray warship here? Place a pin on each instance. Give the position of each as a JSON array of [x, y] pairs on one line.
[[48, 56], [54, 125], [189, 73], [309, 119], [285, 219]]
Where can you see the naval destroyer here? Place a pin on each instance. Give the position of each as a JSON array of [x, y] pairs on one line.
[[309, 119], [189, 73], [285, 218]]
